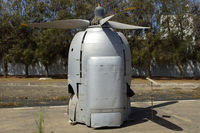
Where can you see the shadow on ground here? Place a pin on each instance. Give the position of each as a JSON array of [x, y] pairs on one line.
[[141, 115]]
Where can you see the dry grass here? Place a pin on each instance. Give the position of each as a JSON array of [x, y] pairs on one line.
[[165, 80], [176, 89], [43, 102], [56, 98], [59, 98], [22, 79], [134, 80], [156, 90], [197, 93], [10, 104], [176, 97], [22, 97]]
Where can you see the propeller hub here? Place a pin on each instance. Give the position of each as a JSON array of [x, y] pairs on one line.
[[100, 11]]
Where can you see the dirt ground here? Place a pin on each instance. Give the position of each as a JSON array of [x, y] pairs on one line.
[[33, 92]]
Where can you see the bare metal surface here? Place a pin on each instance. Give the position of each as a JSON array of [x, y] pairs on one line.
[[117, 25], [62, 24], [99, 71]]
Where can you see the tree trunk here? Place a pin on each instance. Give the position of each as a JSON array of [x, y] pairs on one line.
[[194, 71], [168, 24], [46, 71], [5, 68], [148, 70], [180, 66], [26, 70]]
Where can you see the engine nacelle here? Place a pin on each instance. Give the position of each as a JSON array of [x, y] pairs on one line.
[[99, 76]]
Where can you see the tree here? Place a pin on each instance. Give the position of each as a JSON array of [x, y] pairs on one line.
[[176, 25], [6, 34], [143, 51], [167, 41], [24, 49], [195, 11], [141, 41], [48, 47]]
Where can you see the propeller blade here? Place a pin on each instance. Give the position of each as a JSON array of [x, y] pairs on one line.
[[129, 8], [122, 26], [61, 24], [104, 20]]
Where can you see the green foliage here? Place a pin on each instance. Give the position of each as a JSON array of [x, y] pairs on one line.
[[40, 123], [23, 50], [47, 46], [172, 44], [164, 43], [195, 10]]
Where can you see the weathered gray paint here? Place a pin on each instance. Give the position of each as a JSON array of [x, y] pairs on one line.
[[103, 52]]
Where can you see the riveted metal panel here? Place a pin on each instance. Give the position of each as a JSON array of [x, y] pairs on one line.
[[102, 85], [74, 60], [105, 78], [106, 119]]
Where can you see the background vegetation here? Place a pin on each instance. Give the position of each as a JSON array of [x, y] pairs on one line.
[[163, 44]]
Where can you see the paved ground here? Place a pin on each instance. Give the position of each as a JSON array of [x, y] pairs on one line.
[[169, 117]]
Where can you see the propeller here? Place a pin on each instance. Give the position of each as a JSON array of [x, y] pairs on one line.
[[61, 24], [104, 20], [117, 25], [82, 23]]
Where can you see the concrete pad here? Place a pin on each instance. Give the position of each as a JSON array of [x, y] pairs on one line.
[[168, 117]]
